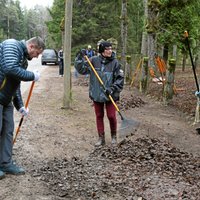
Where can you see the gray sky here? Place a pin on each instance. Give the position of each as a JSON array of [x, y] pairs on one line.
[[31, 3]]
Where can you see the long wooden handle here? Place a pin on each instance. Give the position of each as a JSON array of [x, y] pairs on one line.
[[97, 75], [26, 105], [29, 94]]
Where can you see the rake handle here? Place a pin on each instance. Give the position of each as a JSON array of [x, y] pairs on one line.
[[101, 82], [188, 44], [26, 105], [29, 94]]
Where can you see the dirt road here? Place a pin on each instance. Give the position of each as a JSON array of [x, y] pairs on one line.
[[56, 147]]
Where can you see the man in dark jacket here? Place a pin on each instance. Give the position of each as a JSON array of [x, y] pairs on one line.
[[61, 62], [14, 56], [109, 70]]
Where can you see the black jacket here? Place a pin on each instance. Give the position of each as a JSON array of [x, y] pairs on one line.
[[13, 64], [109, 70]]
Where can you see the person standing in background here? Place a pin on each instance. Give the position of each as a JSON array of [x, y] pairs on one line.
[[14, 56], [61, 62], [89, 51]]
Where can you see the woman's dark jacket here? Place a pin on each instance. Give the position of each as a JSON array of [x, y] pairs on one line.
[[13, 64], [110, 72]]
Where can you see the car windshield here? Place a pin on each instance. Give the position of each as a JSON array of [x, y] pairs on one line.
[[49, 53]]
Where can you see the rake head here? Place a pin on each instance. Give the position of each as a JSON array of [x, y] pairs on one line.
[[128, 127]]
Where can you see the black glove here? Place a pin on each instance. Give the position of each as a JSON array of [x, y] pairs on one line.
[[80, 55], [108, 91]]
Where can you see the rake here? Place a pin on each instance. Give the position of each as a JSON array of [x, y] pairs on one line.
[[22, 118]]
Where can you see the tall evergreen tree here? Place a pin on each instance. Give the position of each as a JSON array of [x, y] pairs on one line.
[[57, 13]]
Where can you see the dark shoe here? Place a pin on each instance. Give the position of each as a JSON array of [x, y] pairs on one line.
[[101, 141], [13, 169], [2, 175]]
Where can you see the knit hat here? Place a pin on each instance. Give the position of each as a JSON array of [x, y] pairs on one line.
[[103, 45]]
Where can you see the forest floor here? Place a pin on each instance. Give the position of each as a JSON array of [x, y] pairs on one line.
[[161, 160]]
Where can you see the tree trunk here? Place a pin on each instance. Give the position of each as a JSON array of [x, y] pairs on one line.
[[152, 26], [151, 49], [144, 76], [67, 54], [169, 84], [144, 49], [175, 52], [184, 62], [124, 27], [165, 53]]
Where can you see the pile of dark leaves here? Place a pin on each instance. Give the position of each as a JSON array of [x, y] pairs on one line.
[[131, 101], [183, 99], [144, 169]]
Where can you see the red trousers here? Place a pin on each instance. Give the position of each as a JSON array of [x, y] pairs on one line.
[[111, 114]]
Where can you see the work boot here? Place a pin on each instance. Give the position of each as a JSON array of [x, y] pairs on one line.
[[113, 138], [2, 175], [101, 141], [13, 169]]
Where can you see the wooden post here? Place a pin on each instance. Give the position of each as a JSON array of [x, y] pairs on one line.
[[144, 76], [67, 54], [169, 84], [129, 68]]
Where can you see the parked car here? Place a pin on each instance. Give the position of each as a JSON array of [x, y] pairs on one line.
[[49, 56]]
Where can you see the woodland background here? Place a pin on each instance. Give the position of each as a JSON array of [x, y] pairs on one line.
[[164, 20]]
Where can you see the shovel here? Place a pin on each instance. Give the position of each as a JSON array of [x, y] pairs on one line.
[[196, 81], [22, 118], [128, 126]]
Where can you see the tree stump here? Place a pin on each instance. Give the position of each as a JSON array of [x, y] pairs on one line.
[[169, 84]]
